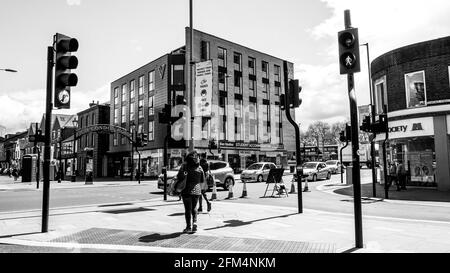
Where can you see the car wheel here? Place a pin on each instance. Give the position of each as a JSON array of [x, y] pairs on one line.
[[328, 176], [314, 179], [228, 181], [259, 179]]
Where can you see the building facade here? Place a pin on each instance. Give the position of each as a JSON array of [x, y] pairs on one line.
[[411, 84], [244, 115], [91, 146]]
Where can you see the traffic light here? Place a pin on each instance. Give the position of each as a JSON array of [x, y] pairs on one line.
[[346, 134], [381, 126], [294, 100], [165, 114], [342, 137], [138, 140], [144, 139], [64, 62], [349, 51], [366, 125], [282, 102]]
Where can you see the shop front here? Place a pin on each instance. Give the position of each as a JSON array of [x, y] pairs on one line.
[[412, 142]]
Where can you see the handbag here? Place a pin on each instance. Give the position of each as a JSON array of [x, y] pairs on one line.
[[179, 185]]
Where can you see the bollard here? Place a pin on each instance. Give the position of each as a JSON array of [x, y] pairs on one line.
[[244, 191]]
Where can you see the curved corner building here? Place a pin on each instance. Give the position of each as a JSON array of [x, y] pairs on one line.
[[412, 82]]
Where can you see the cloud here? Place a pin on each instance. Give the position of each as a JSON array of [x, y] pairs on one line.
[[73, 2], [21, 108], [385, 25]]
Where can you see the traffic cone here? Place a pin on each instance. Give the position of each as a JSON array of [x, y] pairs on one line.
[[214, 191], [230, 191], [305, 189], [244, 191], [292, 186]]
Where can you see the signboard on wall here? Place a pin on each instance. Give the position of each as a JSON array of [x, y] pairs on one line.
[[409, 128], [203, 89]]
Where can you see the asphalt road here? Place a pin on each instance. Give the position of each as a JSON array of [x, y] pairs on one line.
[[324, 199]]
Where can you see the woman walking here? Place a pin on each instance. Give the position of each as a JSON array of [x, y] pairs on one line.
[[192, 191]]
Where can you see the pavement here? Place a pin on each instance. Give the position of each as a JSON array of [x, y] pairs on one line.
[[155, 226]]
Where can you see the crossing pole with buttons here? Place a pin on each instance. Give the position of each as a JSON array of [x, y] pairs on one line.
[[349, 64]]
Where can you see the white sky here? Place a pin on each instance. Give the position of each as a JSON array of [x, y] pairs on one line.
[[118, 36]]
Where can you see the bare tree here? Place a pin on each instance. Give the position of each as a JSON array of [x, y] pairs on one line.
[[320, 131]]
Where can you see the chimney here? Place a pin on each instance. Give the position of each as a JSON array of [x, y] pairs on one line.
[[92, 104]]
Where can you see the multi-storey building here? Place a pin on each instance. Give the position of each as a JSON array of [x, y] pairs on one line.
[[244, 119], [91, 146], [411, 85]]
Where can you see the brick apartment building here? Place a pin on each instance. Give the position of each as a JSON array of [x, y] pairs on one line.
[[245, 118], [413, 82]]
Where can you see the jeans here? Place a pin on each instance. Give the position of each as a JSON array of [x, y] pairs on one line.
[[190, 202]]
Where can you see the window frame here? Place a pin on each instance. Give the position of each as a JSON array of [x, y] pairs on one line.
[[407, 89]]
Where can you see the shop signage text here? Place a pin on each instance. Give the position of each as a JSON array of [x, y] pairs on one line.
[[403, 128]]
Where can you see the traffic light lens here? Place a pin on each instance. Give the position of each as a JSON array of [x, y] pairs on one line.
[[348, 60], [347, 39], [68, 62], [68, 79], [67, 45]]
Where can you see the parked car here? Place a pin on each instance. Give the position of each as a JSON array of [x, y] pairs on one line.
[[257, 172], [220, 170], [334, 165], [316, 170]]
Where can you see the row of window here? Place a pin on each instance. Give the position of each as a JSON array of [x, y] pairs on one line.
[[415, 91], [237, 62], [140, 129]]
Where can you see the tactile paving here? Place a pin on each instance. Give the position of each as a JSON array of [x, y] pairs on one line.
[[192, 241]]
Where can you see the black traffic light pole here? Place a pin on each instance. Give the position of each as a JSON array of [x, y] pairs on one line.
[[48, 117], [385, 168], [297, 136], [355, 147]]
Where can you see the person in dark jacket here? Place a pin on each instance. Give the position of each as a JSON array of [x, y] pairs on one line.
[[192, 191], [205, 166]]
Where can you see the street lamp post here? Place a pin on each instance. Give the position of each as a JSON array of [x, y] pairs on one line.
[[191, 63], [75, 125], [372, 111]]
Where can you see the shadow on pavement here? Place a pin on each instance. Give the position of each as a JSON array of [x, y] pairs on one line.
[[158, 237], [237, 223], [411, 194]]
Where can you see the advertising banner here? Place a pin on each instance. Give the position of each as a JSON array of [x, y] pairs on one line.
[[203, 89]]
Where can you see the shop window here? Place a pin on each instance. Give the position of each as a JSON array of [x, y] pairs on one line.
[[380, 94], [415, 89]]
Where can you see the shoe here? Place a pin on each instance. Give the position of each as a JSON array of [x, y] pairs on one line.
[[209, 207], [200, 210], [187, 230], [194, 228]]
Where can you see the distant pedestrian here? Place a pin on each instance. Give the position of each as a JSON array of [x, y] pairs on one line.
[[393, 175], [204, 186], [15, 173], [9, 171], [401, 175], [192, 190]]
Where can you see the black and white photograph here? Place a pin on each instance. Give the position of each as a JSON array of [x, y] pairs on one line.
[[226, 135]]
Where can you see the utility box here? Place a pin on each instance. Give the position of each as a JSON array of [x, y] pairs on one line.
[[349, 175]]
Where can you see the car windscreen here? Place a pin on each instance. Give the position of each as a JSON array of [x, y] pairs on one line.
[[217, 165], [309, 165], [254, 167]]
